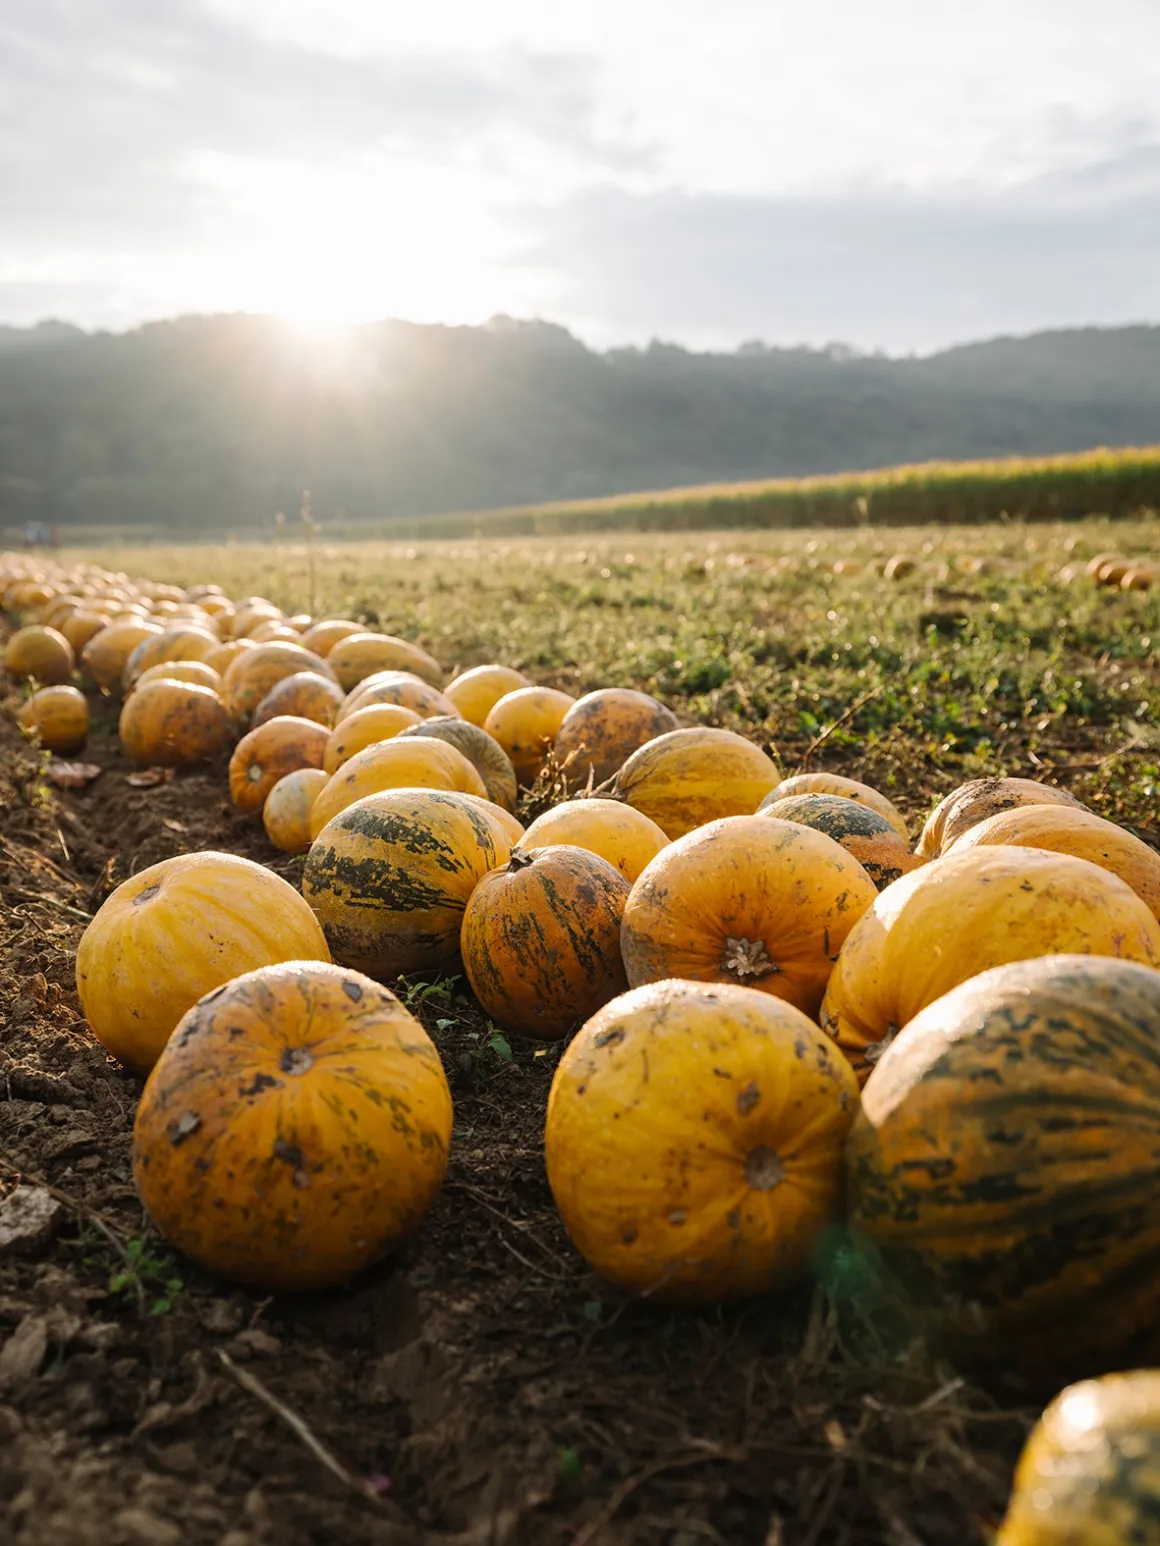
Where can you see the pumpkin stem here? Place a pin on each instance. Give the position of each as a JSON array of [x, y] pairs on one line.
[[520, 858], [747, 958], [875, 1049]]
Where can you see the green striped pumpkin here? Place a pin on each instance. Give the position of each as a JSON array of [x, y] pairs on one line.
[[861, 831]]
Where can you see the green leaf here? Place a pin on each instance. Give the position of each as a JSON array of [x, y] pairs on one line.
[[593, 1311], [500, 1045]]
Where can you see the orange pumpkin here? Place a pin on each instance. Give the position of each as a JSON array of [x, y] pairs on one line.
[[173, 644], [395, 764], [486, 756], [623, 836], [250, 615], [107, 653], [268, 753], [689, 777], [476, 692], [250, 676], [306, 695], [399, 687], [80, 626], [367, 727], [182, 671], [270, 632], [173, 724], [859, 828], [971, 803], [58, 717], [508, 824], [541, 940], [694, 1141], [176, 931], [750, 900], [223, 657], [286, 812], [360, 655], [846, 788], [41, 654], [526, 723], [321, 637], [603, 729]]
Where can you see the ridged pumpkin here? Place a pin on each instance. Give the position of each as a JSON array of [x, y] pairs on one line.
[[486, 755], [602, 730], [748, 900], [250, 676], [41, 654], [286, 812], [961, 915], [1068, 829], [182, 671], [526, 723], [476, 692], [1004, 1163], [847, 788], [321, 637], [58, 717], [859, 829], [400, 687], [689, 777], [107, 653], [306, 695], [173, 644], [174, 724], [368, 727], [295, 1128], [1090, 1472], [394, 764], [268, 753], [971, 803], [623, 836], [541, 940], [390, 876], [360, 655], [694, 1141], [176, 931]]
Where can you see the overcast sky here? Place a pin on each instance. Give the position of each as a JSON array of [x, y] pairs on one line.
[[897, 174]]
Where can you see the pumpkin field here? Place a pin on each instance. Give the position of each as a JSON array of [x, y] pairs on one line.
[[625, 1039]]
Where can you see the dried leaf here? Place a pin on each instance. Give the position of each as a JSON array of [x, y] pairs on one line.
[[72, 775], [174, 826], [149, 778]]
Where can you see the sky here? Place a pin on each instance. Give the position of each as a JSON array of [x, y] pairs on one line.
[[892, 174]]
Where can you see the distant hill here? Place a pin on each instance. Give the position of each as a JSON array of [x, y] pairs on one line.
[[213, 423]]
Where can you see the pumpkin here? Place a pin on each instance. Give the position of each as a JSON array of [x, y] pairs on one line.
[[389, 878], [748, 900], [694, 1141], [689, 777], [962, 914], [173, 724], [1139, 578], [81, 626], [859, 829], [541, 940], [509, 825], [1004, 1163], [268, 753], [368, 727], [394, 764], [58, 717], [306, 695], [181, 671], [602, 729], [399, 687], [526, 723], [974, 802], [250, 676], [172, 644], [177, 930], [41, 654], [360, 655], [847, 788], [627, 839], [476, 692], [486, 755], [286, 811], [321, 637], [107, 653], [270, 632], [1088, 1473], [295, 1128], [249, 616], [223, 657]]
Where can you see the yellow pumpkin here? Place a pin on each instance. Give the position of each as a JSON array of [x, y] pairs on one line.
[[689, 777], [847, 788], [399, 687], [173, 644], [360, 655], [368, 727], [602, 730], [305, 695], [286, 812], [80, 626], [508, 824], [41, 654], [694, 1141], [107, 653], [268, 753], [486, 756], [973, 802], [476, 692], [173, 724], [271, 632], [175, 931], [58, 717], [617, 832], [223, 657], [249, 616], [321, 637], [526, 723], [861, 830], [395, 764], [181, 671], [250, 676]]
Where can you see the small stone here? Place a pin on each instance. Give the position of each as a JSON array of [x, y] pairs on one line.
[[23, 1353], [220, 1316], [260, 1342], [71, 1143], [139, 1527], [90, 1163], [29, 1217]]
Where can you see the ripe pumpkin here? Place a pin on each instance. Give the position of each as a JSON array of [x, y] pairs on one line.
[[689, 777], [360, 655], [174, 724], [847, 788], [509, 825], [399, 687], [394, 764], [476, 692], [182, 671], [1004, 1163], [306, 695], [541, 940], [251, 615], [58, 717], [368, 727], [609, 828], [321, 637], [294, 1130], [107, 653], [973, 802], [41, 654], [250, 676], [175, 931], [486, 755], [286, 812], [694, 1141], [748, 900], [160, 648], [268, 753], [526, 723], [390, 876], [603, 729], [961, 915], [859, 829], [224, 656], [271, 632], [79, 626]]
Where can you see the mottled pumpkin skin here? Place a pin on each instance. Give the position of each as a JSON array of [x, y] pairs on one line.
[[321, 637], [963, 914], [485, 754], [286, 812], [526, 723], [368, 727], [748, 900], [107, 653], [360, 655], [394, 764], [170, 724], [58, 717], [860, 830], [541, 940], [694, 1141], [617, 832], [174, 932], [295, 1129], [509, 825], [476, 692], [268, 753], [161, 648], [181, 671], [971, 803], [250, 676], [690, 777], [1090, 1472], [41, 654], [400, 687], [603, 729], [305, 695], [390, 876], [1004, 1163], [846, 788]]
